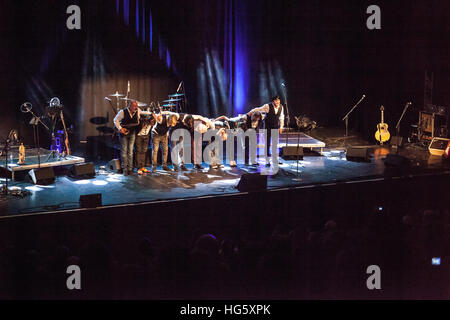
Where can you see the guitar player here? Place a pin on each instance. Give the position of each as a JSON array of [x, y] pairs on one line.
[[127, 121]]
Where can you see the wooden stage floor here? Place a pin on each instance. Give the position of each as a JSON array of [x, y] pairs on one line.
[[315, 170]]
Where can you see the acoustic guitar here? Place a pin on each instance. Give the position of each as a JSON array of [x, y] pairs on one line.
[[144, 120], [382, 134], [447, 151]]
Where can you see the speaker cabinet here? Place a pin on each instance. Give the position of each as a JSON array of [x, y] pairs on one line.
[[437, 146], [252, 182], [358, 154], [82, 171], [91, 200], [114, 166], [395, 160], [292, 153], [42, 176]]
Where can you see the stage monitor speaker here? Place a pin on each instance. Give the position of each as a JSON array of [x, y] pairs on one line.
[[396, 141], [91, 200], [437, 146], [292, 153], [82, 171], [357, 154], [113, 165], [395, 160], [252, 182], [42, 176]]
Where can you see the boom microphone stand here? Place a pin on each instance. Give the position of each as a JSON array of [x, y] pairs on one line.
[[397, 127], [347, 115], [25, 108], [5, 190]]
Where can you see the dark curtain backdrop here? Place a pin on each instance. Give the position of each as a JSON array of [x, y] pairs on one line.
[[235, 54], [232, 55], [81, 67]]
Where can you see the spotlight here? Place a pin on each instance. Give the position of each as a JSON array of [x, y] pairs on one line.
[[436, 261]]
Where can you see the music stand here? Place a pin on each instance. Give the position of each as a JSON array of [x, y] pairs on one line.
[[288, 116], [397, 127]]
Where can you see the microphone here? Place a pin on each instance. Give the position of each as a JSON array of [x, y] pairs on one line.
[[363, 96], [283, 84], [179, 87]]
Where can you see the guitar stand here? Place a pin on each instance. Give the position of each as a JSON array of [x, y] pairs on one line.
[[5, 187]]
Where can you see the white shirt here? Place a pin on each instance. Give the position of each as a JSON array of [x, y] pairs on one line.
[[145, 129], [265, 108], [120, 115]]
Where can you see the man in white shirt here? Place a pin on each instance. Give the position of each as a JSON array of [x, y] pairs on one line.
[[127, 121], [142, 140], [274, 120]]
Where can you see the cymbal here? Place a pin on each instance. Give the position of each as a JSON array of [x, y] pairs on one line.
[[172, 100], [117, 95], [176, 95], [169, 105], [126, 99], [105, 129]]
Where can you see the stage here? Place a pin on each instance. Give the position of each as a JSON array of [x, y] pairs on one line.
[[34, 160], [316, 169]]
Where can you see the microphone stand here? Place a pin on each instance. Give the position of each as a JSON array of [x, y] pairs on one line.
[[184, 99], [298, 156], [288, 118], [110, 103], [348, 114], [35, 122], [397, 126], [5, 190]]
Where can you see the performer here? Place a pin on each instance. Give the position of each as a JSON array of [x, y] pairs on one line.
[[185, 121], [222, 126], [142, 140], [201, 125], [160, 135], [127, 121], [245, 122], [274, 120]]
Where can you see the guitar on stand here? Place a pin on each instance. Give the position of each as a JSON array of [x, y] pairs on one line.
[[382, 135]]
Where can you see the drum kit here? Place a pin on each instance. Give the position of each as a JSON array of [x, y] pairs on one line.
[[174, 103]]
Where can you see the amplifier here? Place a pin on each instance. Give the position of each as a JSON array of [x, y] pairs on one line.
[[437, 146]]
